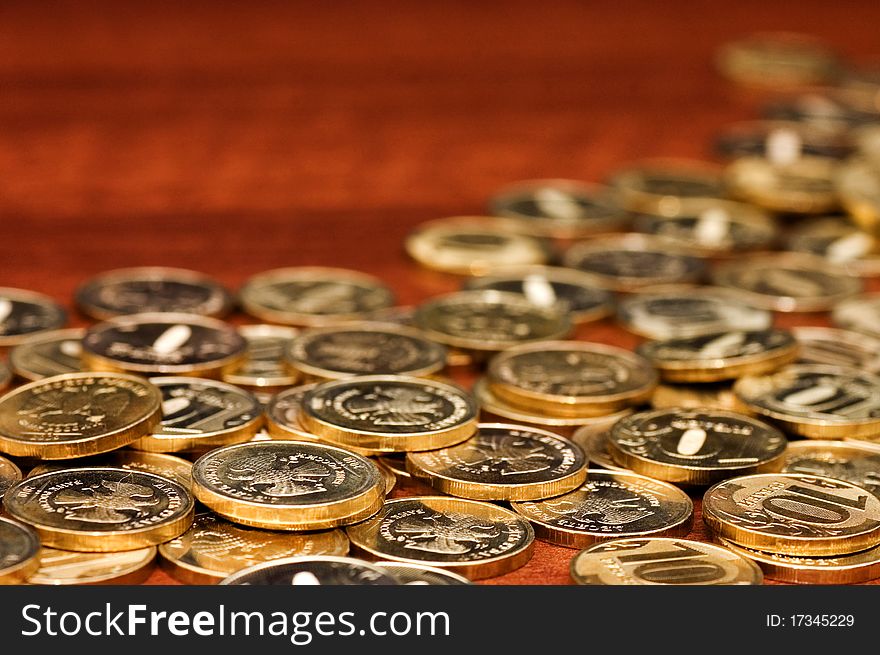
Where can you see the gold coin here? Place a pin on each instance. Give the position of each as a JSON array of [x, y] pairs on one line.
[[263, 368], [835, 347], [694, 446], [389, 413], [77, 414], [49, 353], [778, 59], [867, 141], [799, 185], [213, 548], [26, 313], [394, 462], [288, 485], [570, 378], [564, 209], [662, 561], [9, 475], [475, 539], [840, 243], [19, 552], [594, 442], [610, 505], [388, 476], [820, 402], [152, 289], [857, 183], [762, 138], [101, 509], [5, 376], [67, 567], [858, 463], [793, 514], [313, 295], [168, 466], [197, 413], [659, 186], [503, 462], [860, 314], [843, 569], [489, 321], [472, 245], [723, 356], [718, 395]]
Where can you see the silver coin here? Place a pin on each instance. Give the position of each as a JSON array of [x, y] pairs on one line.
[[23, 313], [310, 571], [47, 354]]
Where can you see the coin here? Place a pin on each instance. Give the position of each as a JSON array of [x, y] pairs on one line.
[[851, 462], [67, 567], [101, 509], [836, 347], [695, 447], [19, 552], [867, 141], [838, 241], [712, 227], [659, 561], [571, 378], [263, 368], [317, 570], [793, 514], [691, 313], [632, 261], [164, 344], [364, 349], [724, 356], [288, 485], [594, 442], [47, 354], [843, 569], [789, 183], [828, 107], [152, 289], [859, 314], [25, 313], [717, 395], [77, 414], [815, 401], [472, 245], [394, 462], [389, 413], [659, 186], [778, 59], [548, 286], [857, 183], [415, 574], [503, 462], [489, 321], [283, 414], [198, 412], [475, 539], [313, 295], [558, 208], [9, 475], [788, 282], [5, 376], [759, 138], [213, 548], [168, 466], [388, 476]]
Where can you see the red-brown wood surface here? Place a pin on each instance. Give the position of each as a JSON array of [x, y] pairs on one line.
[[237, 137]]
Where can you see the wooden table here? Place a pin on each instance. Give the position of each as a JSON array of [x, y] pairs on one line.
[[233, 138]]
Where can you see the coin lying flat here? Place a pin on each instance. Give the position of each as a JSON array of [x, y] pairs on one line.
[[152, 289], [164, 344], [503, 462], [859, 314], [789, 183], [19, 552], [283, 414], [594, 442], [313, 295], [724, 356], [691, 313], [9, 475], [67, 567], [842, 569], [857, 183], [633, 261], [851, 462], [472, 245], [489, 321], [658, 187], [837, 240], [828, 107], [570, 378], [49, 353], [695, 447], [101, 509], [198, 413], [288, 485], [25, 313], [214, 548], [389, 413], [662, 561], [775, 59], [610, 505], [475, 539], [168, 466], [263, 369], [415, 574], [760, 138], [821, 402], [547, 286], [794, 514], [77, 414], [317, 570], [364, 349], [835, 347], [713, 395]]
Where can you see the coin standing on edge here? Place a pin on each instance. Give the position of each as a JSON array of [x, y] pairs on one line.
[[67, 567], [19, 552], [476, 539], [26, 313], [503, 462], [415, 574], [46, 354], [317, 570]]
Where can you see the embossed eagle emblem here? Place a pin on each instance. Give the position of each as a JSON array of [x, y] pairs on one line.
[[80, 405], [508, 456], [446, 534], [106, 502], [271, 475], [397, 406], [619, 511]]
